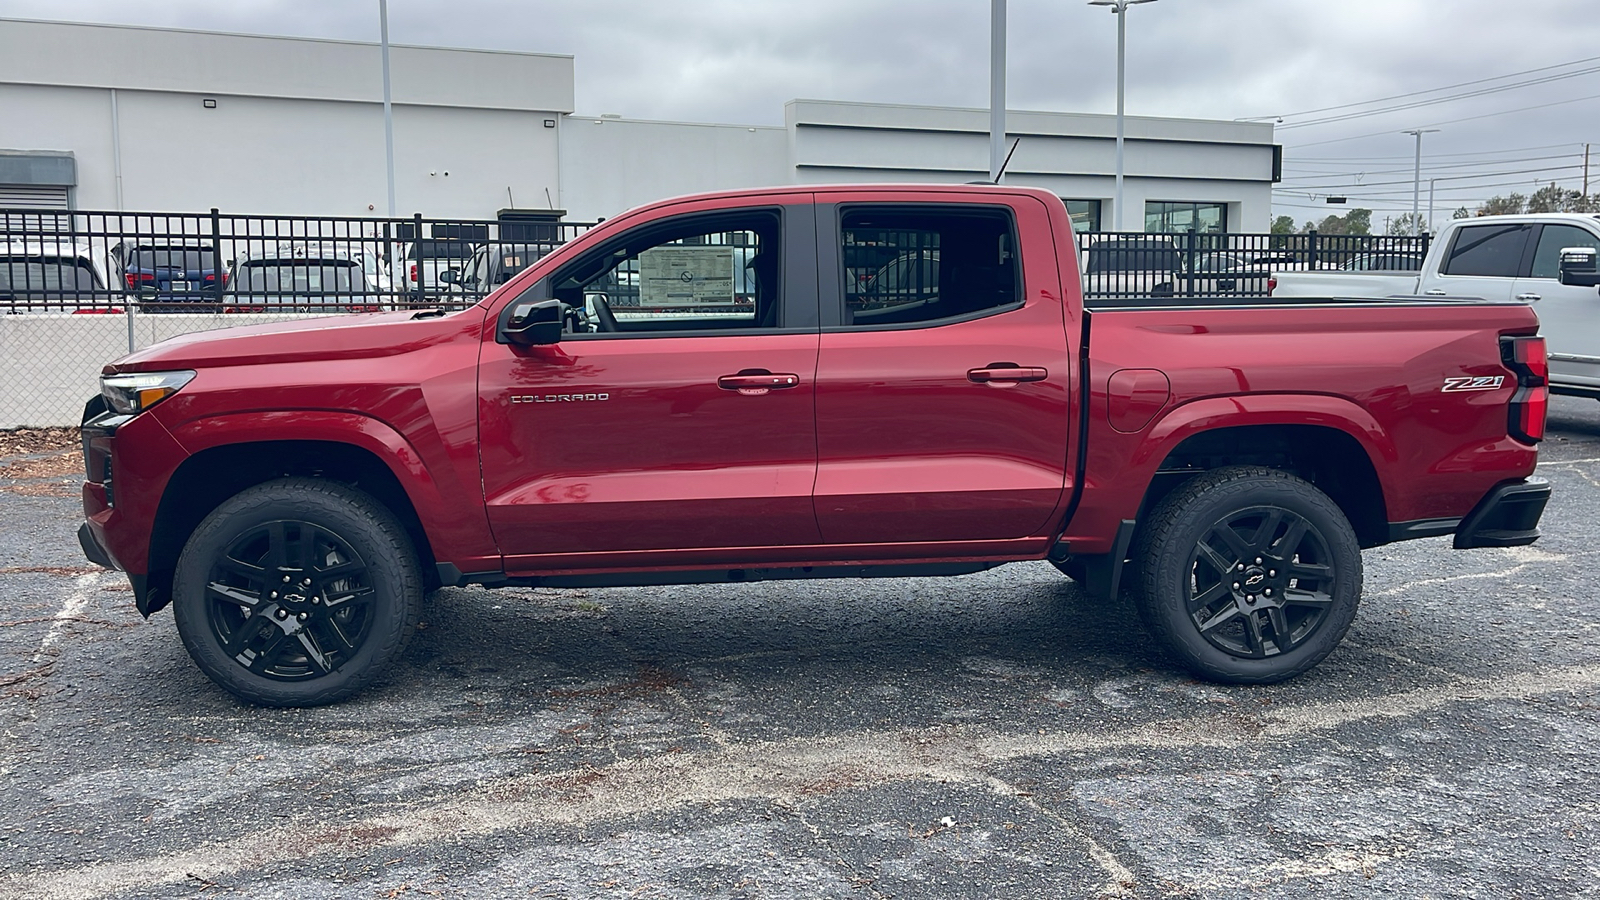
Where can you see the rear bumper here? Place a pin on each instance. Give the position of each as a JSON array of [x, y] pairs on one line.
[[1507, 516]]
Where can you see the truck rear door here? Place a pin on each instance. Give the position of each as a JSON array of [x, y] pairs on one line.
[[943, 400], [1569, 314], [1481, 261]]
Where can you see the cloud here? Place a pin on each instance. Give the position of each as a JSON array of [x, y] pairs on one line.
[[738, 61]]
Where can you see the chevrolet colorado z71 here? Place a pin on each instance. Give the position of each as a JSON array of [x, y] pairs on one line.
[[695, 391]]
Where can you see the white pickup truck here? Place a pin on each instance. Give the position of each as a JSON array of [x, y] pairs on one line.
[[1500, 258]]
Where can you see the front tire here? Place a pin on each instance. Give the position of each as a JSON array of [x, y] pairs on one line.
[[297, 592], [1249, 575]]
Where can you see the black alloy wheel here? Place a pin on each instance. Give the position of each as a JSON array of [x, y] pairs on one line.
[[290, 600], [1249, 575], [297, 592], [1260, 583]]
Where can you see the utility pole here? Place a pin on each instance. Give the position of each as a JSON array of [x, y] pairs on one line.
[[997, 88], [1586, 171], [1430, 204], [1416, 180]]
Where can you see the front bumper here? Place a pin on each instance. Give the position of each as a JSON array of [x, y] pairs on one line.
[[93, 550], [1507, 516]]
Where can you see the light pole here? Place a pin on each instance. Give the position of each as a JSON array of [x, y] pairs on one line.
[[997, 87], [1120, 9], [388, 111], [1416, 180]]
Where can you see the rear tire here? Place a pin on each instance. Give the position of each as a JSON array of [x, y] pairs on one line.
[[297, 592], [1249, 575]]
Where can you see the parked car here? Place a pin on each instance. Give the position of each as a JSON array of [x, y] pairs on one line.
[[490, 266], [1120, 266], [301, 278], [1499, 258], [1139, 266], [55, 274], [421, 262], [292, 490], [167, 275]]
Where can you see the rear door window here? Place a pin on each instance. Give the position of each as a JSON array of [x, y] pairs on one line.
[[43, 278], [186, 258], [1492, 251], [936, 264], [440, 250]]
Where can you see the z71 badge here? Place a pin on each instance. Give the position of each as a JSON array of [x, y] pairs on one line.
[[1473, 383]]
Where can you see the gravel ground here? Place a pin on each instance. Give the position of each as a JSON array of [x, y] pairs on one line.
[[992, 735]]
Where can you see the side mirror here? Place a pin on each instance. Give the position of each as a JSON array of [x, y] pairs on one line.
[[450, 276], [530, 323], [1578, 266]]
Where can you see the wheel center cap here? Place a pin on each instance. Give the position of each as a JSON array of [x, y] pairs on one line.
[[1255, 578]]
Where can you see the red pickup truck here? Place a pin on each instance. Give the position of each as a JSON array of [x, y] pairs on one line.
[[806, 382]]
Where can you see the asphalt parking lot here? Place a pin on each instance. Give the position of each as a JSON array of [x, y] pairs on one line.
[[996, 735]]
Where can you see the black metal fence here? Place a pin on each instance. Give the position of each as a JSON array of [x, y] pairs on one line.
[[146, 262], [1119, 265], [96, 261]]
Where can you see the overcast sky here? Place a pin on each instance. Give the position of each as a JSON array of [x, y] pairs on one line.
[[737, 61]]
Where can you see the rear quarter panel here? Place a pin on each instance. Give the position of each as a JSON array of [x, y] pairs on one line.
[[1373, 371]]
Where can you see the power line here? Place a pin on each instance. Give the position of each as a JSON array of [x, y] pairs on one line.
[[1482, 92], [1502, 112], [1457, 153], [1345, 172], [1458, 177], [1436, 90]]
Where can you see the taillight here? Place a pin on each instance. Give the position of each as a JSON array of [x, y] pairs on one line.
[[134, 279], [1526, 357], [413, 273], [1272, 283]]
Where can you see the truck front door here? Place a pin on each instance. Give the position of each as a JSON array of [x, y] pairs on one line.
[[944, 379], [1569, 315], [678, 412]]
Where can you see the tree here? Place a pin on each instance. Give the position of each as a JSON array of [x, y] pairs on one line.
[[1552, 198], [1356, 221], [1503, 206], [1283, 225], [1409, 223], [1461, 213]]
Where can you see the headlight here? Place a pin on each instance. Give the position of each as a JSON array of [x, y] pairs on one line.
[[138, 391]]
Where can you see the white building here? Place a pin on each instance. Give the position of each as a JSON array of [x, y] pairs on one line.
[[149, 119]]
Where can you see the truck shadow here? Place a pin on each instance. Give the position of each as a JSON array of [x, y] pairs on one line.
[[1017, 622]]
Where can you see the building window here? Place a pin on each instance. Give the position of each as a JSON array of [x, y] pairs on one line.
[[1085, 214], [1167, 217]]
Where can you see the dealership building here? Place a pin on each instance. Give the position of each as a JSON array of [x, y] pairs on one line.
[[151, 119]]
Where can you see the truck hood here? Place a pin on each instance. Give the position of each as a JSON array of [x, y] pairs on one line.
[[343, 336]]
